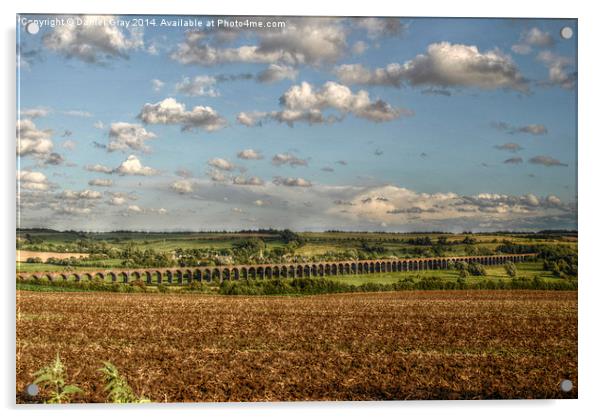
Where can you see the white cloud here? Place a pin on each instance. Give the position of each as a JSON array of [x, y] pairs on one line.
[[249, 154], [135, 209], [32, 180], [247, 181], [275, 73], [534, 37], [170, 112], [35, 112], [81, 195], [400, 206], [77, 113], [559, 69], [117, 200], [182, 186], [99, 125], [201, 85], [304, 41], [304, 103], [93, 41], [221, 164], [290, 159], [123, 136], [69, 144], [99, 168], [33, 141], [133, 166], [359, 47], [157, 84], [101, 182], [443, 65]]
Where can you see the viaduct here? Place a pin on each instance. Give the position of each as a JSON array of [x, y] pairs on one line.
[[182, 275]]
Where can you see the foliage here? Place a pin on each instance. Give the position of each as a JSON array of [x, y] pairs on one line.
[[117, 387], [510, 268], [52, 378]]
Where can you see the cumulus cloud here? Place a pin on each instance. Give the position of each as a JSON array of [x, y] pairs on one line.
[[247, 181], [288, 159], [532, 129], [132, 166], [170, 112], [99, 168], [81, 195], [509, 146], [135, 209], [534, 37], [443, 65], [95, 41], [33, 141], [201, 85], [249, 154], [275, 73], [304, 103], [221, 163], [32, 180], [123, 136], [291, 182], [183, 186], [400, 206], [559, 70], [304, 41], [546, 161], [101, 182]]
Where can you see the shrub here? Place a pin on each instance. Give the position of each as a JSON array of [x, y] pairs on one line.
[[52, 378], [510, 268], [117, 387]]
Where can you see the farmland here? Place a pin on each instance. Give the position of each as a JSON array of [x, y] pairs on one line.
[[365, 346]]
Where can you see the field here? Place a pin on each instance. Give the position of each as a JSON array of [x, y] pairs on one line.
[[370, 346]]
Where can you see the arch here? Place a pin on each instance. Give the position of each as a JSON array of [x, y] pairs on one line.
[[306, 270], [320, 270], [197, 274], [216, 274], [169, 275], [252, 273], [100, 275], [235, 274], [261, 272], [244, 273], [135, 275], [112, 276], [87, 275], [268, 272], [159, 276], [291, 271], [353, 268], [149, 276], [372, 267]]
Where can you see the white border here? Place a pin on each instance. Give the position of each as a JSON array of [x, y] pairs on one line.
[[589, 201]]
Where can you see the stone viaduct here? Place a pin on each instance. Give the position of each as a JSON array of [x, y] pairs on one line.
[[182, 275]]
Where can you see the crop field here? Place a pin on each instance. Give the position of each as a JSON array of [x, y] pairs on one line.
[[362, 346]]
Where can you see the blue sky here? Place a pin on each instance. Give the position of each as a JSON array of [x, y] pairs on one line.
[[394, 124]]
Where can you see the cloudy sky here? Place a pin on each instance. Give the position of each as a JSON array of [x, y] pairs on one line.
[[388, 124]]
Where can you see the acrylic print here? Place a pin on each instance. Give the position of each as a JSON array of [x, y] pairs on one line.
[[252, 208]]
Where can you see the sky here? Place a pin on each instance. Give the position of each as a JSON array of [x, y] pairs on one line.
[[166, 123]]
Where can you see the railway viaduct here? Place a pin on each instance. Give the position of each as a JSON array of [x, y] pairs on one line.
[[182, 275]]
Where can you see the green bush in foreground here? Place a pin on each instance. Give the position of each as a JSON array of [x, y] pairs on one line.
[[51, 379]]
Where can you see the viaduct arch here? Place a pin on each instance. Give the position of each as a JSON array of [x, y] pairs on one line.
[[183, 275]]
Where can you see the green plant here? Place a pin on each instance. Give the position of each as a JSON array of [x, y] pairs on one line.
[[52, 377], [117, 387]]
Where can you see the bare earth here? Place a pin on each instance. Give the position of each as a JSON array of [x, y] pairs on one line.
[[371, 346]]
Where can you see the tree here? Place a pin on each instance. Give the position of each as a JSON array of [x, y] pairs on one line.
[[510, 268]]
